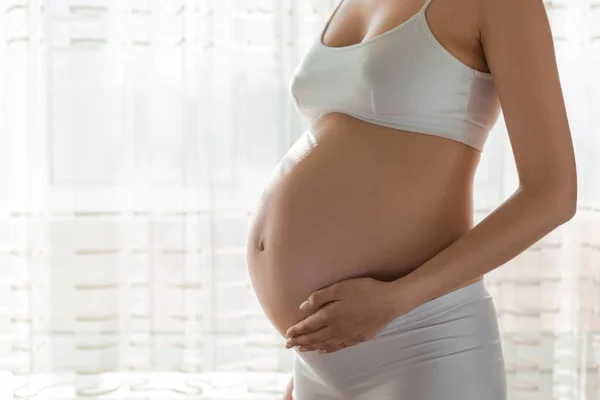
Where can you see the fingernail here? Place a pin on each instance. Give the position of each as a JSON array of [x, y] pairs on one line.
[[302, 349], [304, 305], [288, 346], [322, 351]]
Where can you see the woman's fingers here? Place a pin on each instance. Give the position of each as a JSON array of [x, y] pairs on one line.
[[311, 339], [310, 324], [333, 346]]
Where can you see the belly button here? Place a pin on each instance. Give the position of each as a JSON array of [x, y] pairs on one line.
[[261, 246]]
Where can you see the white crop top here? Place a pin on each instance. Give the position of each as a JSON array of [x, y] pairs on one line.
[[404, 79]]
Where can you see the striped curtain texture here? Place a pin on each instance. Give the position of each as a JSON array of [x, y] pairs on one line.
[[135, 139]]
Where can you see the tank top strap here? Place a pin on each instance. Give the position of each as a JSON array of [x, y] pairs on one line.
[[424, 7]]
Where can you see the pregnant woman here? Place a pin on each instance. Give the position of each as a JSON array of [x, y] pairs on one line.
[[363, 251]]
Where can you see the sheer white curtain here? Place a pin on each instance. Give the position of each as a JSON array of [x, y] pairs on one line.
[[135, 137]]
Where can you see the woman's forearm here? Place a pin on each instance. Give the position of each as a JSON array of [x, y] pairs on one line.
[[519, 222]]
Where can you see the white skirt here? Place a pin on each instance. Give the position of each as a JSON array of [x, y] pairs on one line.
[[446, 349]]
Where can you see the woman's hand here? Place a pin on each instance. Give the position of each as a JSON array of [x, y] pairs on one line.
[[345, 314]]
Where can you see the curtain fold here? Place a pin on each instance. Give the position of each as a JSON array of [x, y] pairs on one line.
[[135, 140]]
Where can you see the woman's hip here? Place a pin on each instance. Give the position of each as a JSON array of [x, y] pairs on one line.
[[448, 348]]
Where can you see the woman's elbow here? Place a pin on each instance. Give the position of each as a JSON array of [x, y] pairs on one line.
[[566, 200], [571, 207], [557, 200]]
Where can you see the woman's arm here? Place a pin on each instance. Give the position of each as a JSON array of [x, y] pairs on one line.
[[518, 44]]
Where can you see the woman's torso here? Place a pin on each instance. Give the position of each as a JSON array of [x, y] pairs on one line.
[[355, 199]]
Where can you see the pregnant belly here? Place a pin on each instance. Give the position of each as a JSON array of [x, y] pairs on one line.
[[345, 205]]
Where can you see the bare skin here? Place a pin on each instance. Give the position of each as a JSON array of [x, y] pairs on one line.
[[370, 201], [367, 200], [287, 393]]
